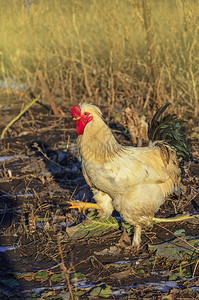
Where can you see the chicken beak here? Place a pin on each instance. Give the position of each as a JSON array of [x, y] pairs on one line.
[[77, 118]]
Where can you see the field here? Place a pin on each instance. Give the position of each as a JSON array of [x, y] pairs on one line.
[[115, 54], [100, 50]]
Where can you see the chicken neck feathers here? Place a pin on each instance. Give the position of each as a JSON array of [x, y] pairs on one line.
[[98, 143]]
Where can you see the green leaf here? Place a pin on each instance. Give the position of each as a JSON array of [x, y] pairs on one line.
[[26, 275], [102, 292], [35, 295], [180, 232], [105, 293], [78, 275], [47, 294], [93, 226], [140, 271], [167, 297], [63, 295], [129, 228], [79, 293], [180, 275], [12, 283], [96, 291], [57, 277], [41, 274]]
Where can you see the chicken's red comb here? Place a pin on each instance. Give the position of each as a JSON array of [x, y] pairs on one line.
[[75, 111]]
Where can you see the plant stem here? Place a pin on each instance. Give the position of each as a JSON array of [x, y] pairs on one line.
[[18, 117], [64, 268], [48, 93], [147, 21], [174, 219]]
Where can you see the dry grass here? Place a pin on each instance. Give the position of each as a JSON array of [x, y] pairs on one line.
[[99, 50]]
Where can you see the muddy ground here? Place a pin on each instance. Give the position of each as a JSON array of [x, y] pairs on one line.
[[39, 172]]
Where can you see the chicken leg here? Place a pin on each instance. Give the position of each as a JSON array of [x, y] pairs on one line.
[[82, 206], [136, 237], [137, 231]]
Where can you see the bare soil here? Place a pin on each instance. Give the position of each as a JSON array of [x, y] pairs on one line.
[[39, 172]]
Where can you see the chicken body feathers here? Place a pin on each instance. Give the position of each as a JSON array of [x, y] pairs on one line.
[[132, 180]]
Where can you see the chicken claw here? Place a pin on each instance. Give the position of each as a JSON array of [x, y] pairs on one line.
[[82, 206]]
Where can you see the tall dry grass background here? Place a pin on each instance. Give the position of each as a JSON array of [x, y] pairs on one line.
[[101, 50]]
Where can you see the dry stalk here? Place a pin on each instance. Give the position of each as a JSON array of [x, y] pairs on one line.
[[48, 93], [194, 84], [195, 268], [70, 86], [44, 154], [195, 92], [184, 265], [63, 266], [82, 58], [180, 238], [18, 117], [112, 80], [147, 21], [56, 82]]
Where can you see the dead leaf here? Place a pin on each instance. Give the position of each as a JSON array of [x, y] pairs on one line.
[[178, 247], [122, 274], [124, 240], [113, 250]]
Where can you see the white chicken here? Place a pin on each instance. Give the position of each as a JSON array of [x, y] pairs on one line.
[[133, 180]]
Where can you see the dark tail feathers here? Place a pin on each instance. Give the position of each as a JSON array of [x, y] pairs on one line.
[[169, 129]]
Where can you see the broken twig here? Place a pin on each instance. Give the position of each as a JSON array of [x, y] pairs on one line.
[[48, 93], [18, 117]]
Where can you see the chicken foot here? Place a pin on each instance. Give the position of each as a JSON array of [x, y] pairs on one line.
[[82, 206]]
